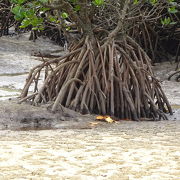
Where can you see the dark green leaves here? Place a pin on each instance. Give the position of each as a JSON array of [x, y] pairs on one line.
[[28, 12], [19, 12], [35, 21]]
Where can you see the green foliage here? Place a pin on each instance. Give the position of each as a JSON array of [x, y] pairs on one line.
[[64, 15], [167, 21], [52, 19], [172, 10], [43, 1], [27, 12], [18, 1], [153, 2], [77, 7], [35, 21], [19, 12], [135, 2], [98, 2]]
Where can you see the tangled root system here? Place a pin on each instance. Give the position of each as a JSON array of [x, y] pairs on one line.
[[114, 78]]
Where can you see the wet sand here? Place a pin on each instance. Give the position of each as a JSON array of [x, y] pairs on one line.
[[127, 150]]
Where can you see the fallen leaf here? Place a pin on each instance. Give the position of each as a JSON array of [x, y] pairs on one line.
[[100, 117], [105, 118], [109, 120]]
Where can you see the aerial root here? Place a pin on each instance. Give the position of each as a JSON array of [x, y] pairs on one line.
[[114, 79]]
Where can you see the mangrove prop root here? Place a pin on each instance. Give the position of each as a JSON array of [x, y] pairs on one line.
[[114, 79], [177, 78]]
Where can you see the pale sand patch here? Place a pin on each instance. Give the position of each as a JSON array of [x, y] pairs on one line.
[[139, 152]]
